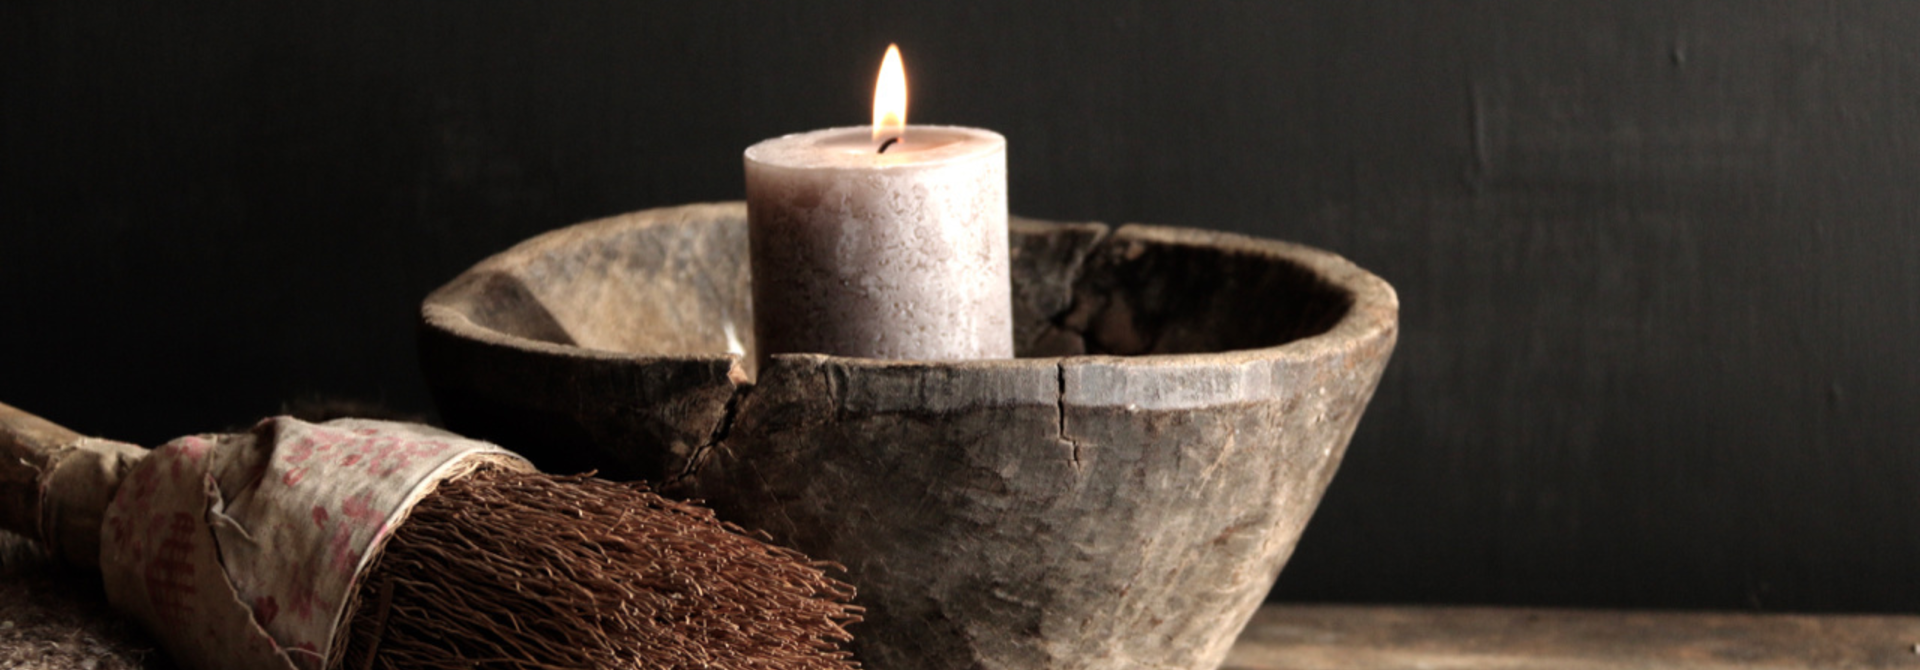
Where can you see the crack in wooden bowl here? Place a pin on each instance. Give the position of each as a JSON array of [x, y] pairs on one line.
[[1122, 495]]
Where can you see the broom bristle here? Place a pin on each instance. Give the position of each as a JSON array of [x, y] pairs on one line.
[[503, 569]]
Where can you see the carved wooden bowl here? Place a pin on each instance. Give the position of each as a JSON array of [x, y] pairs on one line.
[[1120, 496]]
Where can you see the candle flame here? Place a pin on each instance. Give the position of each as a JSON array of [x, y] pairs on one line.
[[890, 97]]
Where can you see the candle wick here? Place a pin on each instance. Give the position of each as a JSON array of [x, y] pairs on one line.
[[888, 143]]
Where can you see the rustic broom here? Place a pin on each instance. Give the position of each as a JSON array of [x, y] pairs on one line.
[[441, 553]]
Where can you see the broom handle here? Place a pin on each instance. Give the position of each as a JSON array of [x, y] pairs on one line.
[[28, 445], [55, 483]]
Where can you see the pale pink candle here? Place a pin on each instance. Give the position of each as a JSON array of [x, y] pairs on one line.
[[898, 253]]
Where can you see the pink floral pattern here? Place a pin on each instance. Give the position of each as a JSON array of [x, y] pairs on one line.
[[240, 551]]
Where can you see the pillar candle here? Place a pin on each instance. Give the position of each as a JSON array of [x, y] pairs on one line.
[[881, 242]]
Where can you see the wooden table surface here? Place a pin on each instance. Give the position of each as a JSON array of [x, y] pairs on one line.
[[56, 618], [1324, 637]]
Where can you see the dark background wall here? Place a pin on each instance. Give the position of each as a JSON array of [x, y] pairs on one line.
[[1657, 257]]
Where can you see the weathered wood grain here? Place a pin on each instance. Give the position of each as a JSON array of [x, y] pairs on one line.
[[612, 345], [1121, 496], [1343, 637]]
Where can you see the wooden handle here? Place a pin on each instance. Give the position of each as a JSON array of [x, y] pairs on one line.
[[55, 483], [27, 447]]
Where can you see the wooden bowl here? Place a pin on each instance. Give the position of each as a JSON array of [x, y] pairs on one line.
[[1120, 496]]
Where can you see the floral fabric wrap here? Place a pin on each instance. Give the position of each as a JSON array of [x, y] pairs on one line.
[[243, 550]]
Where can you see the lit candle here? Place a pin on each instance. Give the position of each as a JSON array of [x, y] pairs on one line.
[[887, 241]]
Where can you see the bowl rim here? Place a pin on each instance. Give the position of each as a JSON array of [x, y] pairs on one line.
[[1373, 315]]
